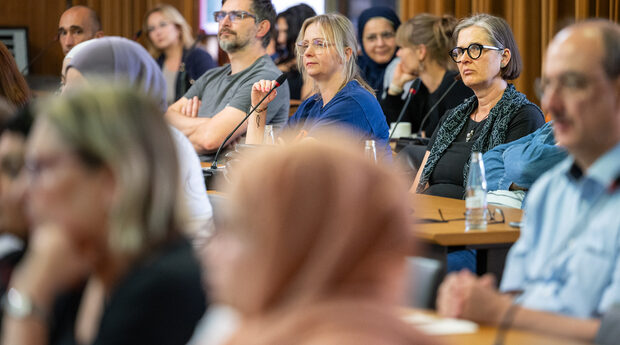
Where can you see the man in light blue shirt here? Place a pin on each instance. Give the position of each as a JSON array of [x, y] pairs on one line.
[[564, 271]]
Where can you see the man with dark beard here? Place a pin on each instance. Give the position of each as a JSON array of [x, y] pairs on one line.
[[219, 99]]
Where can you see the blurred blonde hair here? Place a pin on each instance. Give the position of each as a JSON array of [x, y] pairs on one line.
[[337, 30], [320, 218], [118, 128], [175, 17]]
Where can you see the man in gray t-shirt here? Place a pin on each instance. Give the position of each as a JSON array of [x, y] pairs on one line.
[[220, 99]]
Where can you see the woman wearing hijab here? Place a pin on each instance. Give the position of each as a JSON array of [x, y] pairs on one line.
[[376, 28], [313, 249], [125, 61]]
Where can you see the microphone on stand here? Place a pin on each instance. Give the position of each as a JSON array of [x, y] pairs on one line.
[[412, 91], [428, 113], [279, 82], [43, 51], [201, 35], [137, 35]]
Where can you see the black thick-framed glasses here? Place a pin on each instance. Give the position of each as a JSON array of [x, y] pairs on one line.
[[474, 51], [233, 15]]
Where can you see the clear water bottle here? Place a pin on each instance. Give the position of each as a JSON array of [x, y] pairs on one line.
[[476, 195], [269, 138], [370, 150]]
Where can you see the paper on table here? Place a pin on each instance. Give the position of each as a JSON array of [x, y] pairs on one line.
[[434, 325]]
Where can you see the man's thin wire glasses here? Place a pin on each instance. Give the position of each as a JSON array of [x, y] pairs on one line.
[[474, 51]]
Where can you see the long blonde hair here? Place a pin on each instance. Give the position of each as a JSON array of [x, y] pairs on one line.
[[337, 30], [176, 18]]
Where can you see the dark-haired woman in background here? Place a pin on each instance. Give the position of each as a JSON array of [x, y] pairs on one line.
[[376, 28], [288, 24], [168, 40], [424, 41]]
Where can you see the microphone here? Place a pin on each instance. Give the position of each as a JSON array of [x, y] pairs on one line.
[[44, 50], [201, 35], [279, 82], [137, 35], [412, 91], [428, 113]]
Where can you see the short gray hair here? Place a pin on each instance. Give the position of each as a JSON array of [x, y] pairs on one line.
[[500, 35]]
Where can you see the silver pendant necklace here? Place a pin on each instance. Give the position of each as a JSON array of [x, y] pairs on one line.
[[469, 135]]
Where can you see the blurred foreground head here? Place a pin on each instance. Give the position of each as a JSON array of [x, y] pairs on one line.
[[312, 223], [102, 165]]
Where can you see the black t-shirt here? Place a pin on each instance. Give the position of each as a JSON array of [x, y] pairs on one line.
[[447, 177], [159, 301], [423, 101]]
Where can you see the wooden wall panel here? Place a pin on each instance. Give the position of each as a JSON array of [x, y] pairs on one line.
[[118, 17], [534, 23]]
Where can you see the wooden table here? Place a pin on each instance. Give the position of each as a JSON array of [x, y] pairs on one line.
[[491, 244], [486, 335]]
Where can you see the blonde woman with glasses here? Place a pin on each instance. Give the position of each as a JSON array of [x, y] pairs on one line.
[[326, 54]]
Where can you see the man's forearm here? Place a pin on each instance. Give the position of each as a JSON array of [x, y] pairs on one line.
[[187, 125]]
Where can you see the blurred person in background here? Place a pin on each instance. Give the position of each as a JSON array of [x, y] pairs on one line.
[[288, 24], [13, 86], [76, 25], [313, 247], [125, 61], [107, 262], [169, 40], [376, 30], [326, 54]]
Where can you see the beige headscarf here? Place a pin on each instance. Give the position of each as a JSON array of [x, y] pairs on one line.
[[327, 233]]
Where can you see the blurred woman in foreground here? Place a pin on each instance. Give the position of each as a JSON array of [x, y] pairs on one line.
[[313, 247], [107, 262]]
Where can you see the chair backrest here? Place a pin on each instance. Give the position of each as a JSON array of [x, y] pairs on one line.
[[422, 281]]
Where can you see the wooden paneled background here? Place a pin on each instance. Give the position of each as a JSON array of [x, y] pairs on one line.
[[534, 22], [118, 17]]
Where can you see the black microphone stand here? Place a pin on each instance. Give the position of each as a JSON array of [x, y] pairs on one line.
[[412, 91], [43, 51], [212, 171]]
